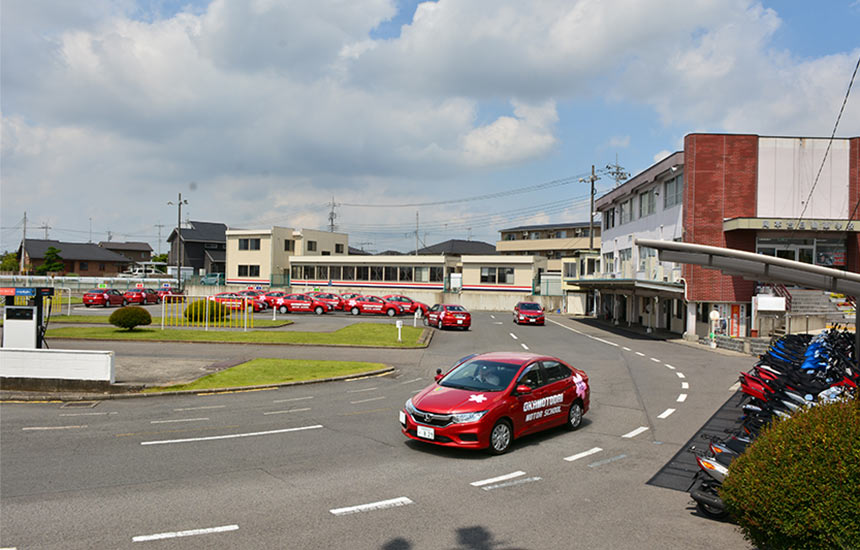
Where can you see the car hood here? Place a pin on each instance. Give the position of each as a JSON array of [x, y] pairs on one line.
[[439, 399]]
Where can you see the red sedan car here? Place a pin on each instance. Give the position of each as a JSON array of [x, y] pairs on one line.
[[529, 313], [297, 303], [346, 298], [170, 294], [236, 301], [256, 295], [142, 296], [104, 297], [333, 301], [448, 315], [372, 304], [407, 304], [272, 296], [486, 401]]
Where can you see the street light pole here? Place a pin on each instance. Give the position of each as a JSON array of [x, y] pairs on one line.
[[592, 179], [179, 203]]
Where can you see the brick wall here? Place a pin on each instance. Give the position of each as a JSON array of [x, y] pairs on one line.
[[720, 178]]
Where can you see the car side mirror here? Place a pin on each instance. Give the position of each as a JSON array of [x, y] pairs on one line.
[[522, 389], [438, 375]]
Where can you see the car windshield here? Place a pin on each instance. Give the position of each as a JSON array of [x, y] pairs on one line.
[[96, 291], [530, 306], [455, 308], [481, 375]]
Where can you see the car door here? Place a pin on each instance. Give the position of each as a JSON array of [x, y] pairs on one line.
[[560, 390], [433, 314], [528, 411]]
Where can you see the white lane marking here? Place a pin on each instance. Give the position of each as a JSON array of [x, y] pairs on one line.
[[189, 533], [682, 397], [492, 316], [200, 408], [655, 359], [666, 413], [636, 432], [381, 505], [685, 386], [292, 399], [505, 477], [564, 327], [85, 414], [230, 436], [605, 341], [410, 381], [583, 454], [606, 461], [640, 354], [177, 420], [55, 427], [498, 323], [525, 347], [625, 348], [680, 375], [287, 411], [735, 387], [668, 366], [361, 390], [514, 336], [510, 483], [367, 400]]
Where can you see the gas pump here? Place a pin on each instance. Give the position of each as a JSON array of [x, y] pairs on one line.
[[23, 326]]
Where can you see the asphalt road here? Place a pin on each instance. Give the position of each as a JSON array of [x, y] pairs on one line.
[[325, 465]]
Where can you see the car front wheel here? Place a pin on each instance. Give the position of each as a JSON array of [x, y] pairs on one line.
[[124, 303], [318, 310], [355, 311], [500, 437], [426, 322], [391, 312], [282, 309], [574, 416]]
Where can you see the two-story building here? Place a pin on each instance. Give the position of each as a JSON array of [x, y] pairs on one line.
[[203, 246], [134, 251], [553, 241], [83, 259]]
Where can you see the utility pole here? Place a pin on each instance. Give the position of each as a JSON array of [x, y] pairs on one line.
[[110, 235], [592, 179], [332, 215], [159, 226], [23, 243], [416, 232], [45, 226], [179, 204]]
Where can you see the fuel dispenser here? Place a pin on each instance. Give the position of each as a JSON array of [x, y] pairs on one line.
[[23, 325]]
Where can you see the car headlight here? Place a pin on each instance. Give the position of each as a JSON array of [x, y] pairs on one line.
[[463, 418], [410, 408], [522, 316]]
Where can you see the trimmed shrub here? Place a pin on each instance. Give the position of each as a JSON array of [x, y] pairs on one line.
[[130, 317], [798, 485], [195, 312]]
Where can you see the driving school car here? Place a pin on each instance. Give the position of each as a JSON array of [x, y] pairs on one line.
[[529, 313], [488, 400]]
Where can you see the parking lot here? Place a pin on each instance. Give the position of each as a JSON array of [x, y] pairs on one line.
[[326, 465]]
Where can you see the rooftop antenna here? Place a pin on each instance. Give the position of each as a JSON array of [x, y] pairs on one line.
[[332, 215], [617, 172]]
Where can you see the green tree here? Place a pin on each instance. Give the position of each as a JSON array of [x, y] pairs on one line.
[[9, 262], [159, 258], [53, 262]]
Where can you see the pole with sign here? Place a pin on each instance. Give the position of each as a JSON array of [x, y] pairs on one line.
[[399, 328]]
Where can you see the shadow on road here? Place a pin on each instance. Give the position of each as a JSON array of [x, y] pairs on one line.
[[468, 538]]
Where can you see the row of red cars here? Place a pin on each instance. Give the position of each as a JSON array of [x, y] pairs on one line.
[[106, 297], [321, 302]]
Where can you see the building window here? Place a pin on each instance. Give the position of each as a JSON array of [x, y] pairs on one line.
[[334, 272], [625, 257], [609, 262], [325, 253], [348, 273], [533, 235], [510, 237], [289, 245], [560, 234], [609, 218], [422, 274], [102, 267], [436, 274], [362, 273], [377, 273], [488, 275], [647, 256], [673, 191], [405, 273], [84, 266], [338, 248], [390, 273], [249, 271], [647, 203], [505, 275], [296, 272], [312, 246], [308, 272], [249, 244]]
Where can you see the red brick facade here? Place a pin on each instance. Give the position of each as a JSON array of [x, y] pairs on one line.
[[720, 181]]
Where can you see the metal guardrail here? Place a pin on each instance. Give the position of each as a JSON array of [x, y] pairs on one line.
[[178, 310]]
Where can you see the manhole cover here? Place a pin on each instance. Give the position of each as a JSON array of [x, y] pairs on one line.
[[79, 404]]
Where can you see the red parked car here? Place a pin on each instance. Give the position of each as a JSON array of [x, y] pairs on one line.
[[142, 296], [448, 315], [104, 297], [333, 301], [272, 296], [372, 304], [170, 294], [529, 313], [297, 303], [257, 295], [346, 298], [236, 301], [408, 305], [486, 401]]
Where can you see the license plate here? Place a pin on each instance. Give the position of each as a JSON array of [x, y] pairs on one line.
[[459, 321], [426, 433], [531, 320], [402, 417]]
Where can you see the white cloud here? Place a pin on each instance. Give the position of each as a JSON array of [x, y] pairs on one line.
[[619, 141]]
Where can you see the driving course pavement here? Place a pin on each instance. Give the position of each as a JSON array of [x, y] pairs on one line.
[[325, 465]]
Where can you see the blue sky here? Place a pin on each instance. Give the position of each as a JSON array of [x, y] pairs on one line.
[[260, 112]]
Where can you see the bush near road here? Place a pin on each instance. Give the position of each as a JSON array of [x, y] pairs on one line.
[[130, 317]]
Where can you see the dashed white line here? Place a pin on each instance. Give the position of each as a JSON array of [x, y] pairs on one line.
[[34, 428], [287, 411], [510, 483], [735, 387], [525, 347], [605, 341], [655, 359], [682, 397], [680, 375], [410, 381], [625, 348], [230, 436], [189, 533], [200, 408], [666, 413], [177, 420], [685, 386], [85, 414], [583, 454], [361, 390], [367, 400], [293, 399], [505, 477], [668, 366], [381, 505], [564, 327], [640, 354], [492, 316], [635, 432], [514, 336]]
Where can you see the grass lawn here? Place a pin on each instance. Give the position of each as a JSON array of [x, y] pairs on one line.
[[156, 321], [358, 334], [261, 372]]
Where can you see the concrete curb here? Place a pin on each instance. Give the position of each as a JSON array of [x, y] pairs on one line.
[[13, 397], [418, 346]]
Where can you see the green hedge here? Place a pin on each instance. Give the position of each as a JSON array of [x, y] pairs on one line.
[[130, 317], [196, 311], [798, 485]]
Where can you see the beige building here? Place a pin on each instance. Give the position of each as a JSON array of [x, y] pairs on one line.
[[256, 256], [553, 241]]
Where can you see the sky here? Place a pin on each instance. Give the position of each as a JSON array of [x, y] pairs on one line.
[[460, 117]]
